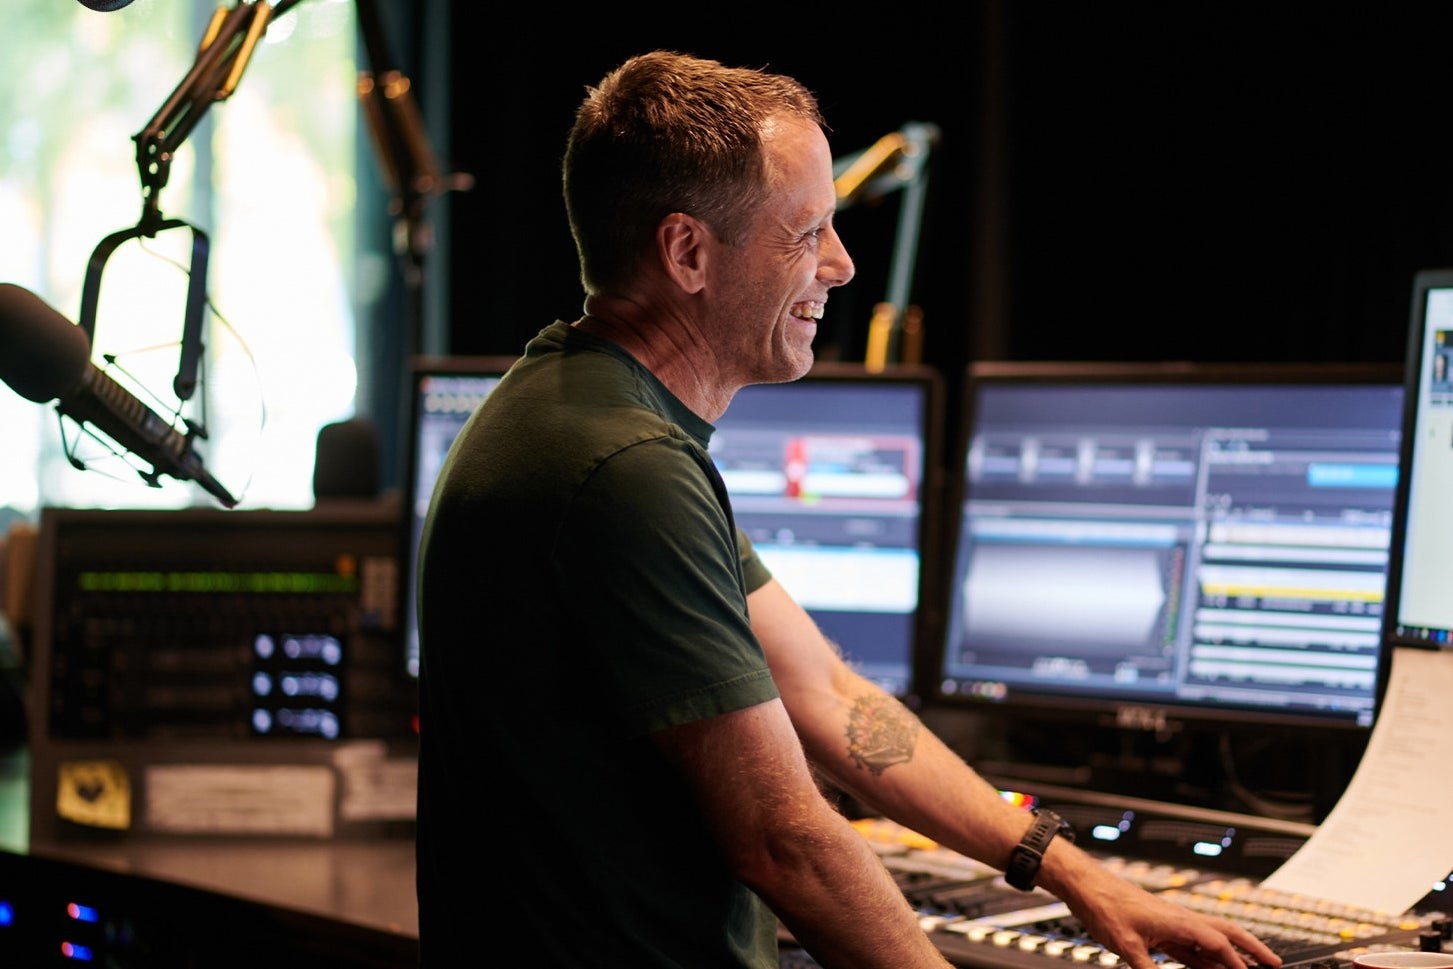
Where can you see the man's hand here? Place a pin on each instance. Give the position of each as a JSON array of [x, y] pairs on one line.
[[1131, 922]]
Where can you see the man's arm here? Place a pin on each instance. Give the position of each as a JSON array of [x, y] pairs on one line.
[[875, 748], [784, 840]]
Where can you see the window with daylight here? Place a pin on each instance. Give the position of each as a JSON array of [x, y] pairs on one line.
[[266, 180]]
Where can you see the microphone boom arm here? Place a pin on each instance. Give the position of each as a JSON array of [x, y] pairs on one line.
[[897, 161], [224, 51], [223, 54]]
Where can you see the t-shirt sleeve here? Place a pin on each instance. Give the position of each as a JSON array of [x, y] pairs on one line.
[[754, 570], [649, 559]]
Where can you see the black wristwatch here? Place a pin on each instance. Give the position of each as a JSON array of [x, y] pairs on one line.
[[1025, 859]]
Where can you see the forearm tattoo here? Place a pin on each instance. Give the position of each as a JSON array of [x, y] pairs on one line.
[[880, 733]]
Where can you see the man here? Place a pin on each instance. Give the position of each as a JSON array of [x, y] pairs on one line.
[[622, 714]]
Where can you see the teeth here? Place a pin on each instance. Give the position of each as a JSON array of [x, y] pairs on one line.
[[808, 311]]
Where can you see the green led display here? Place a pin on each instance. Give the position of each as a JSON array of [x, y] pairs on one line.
[[215, 582]]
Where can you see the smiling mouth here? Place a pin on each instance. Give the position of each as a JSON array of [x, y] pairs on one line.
[[808, 311]]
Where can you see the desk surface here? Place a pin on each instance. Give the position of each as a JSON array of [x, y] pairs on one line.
[[369, 883]]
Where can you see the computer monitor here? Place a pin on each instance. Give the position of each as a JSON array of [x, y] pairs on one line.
[[444, 391], [1420, 574], [836, 479], [1146, 546]]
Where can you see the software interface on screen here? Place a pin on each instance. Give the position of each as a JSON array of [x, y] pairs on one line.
[[825, 474], [443, 401], [1423, 604], [827, 478], [1211, 546]]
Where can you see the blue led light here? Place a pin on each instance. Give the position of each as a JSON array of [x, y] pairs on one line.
[[7, 913]]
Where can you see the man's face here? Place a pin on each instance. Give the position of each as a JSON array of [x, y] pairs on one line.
[[769, 292]]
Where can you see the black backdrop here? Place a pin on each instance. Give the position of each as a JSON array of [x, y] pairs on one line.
[[1114, 181]]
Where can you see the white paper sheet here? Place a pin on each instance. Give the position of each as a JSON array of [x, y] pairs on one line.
[[1389, 838]]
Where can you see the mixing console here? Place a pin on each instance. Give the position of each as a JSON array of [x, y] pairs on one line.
[[979, 922]]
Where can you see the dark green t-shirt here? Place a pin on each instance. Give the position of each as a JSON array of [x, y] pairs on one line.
[[582, 585]]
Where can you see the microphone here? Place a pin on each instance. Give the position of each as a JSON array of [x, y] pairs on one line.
[[44, 357], [104, 5]]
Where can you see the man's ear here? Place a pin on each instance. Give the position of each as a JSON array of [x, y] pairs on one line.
[[683, 243]]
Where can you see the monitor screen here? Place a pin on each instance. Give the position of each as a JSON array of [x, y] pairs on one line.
[[445, 390], [834, 477], [1186, 541], [1420, 609]]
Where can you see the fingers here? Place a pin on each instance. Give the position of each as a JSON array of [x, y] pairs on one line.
[[1228, 945], [1223, 954], [1249, 944], [1197, 940], [1213, 944], [1236, 950]]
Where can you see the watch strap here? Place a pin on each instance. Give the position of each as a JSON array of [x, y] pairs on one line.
[[1025, 859]]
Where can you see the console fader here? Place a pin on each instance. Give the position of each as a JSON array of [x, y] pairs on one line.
[[1206, 860]]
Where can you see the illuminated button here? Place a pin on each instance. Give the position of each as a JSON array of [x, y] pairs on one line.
[[1004, 937], [82, 913], [1085, 953], [1057, 947], [1030, 943], [77, 952], [1108, 958]]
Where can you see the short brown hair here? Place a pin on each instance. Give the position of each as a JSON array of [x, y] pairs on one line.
[[668, 132]]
